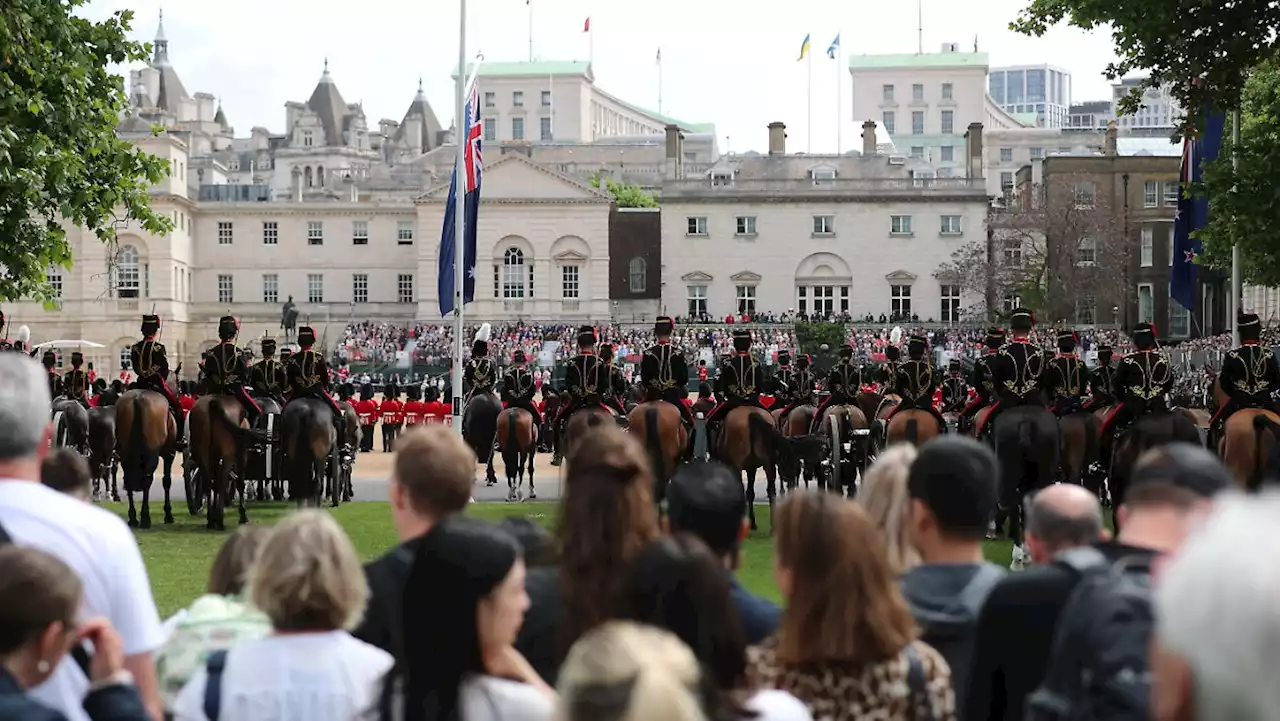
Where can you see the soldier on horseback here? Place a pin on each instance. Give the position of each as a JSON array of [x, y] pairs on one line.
[[1068, 377], [518, 388], [889, 370], [955, 391], [1102, 382], [794, 385], [980, 378], [743, 382], [479, 375], [76, 383], [664, 373], [915, 383], [49, 360], [308, 377], [268, 376], [842, 386], [617, 385], [227, 371], [1249, 376], [150, 360], [1017, 369], [582, 382], [1142, 381]]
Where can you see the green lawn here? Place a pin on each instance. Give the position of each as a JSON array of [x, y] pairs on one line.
[[178, 556]]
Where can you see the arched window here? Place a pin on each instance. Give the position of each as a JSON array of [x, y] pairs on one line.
[[123, 359], [320, 176], [306, 176], [127, 272], [513, 273], [639, 272]]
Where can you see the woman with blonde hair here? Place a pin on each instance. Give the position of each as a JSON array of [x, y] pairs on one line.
[[847, 644], [308, 581], [885, 499]]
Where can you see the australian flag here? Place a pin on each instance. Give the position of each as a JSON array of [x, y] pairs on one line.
[[1193, 213], [470, 174]]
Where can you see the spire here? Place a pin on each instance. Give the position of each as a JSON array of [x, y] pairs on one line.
[[422, 95], [161, 44], [326, 78], [220, 118]]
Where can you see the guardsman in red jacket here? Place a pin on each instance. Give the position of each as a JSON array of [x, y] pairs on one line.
[[367, 412], [391, 413], [414, 409]]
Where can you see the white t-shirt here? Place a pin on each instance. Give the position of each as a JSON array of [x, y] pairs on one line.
[[304, 677], [773, 705], [488, 698], [101, 549]]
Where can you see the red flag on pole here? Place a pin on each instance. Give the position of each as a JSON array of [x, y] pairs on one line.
[[586, 26]]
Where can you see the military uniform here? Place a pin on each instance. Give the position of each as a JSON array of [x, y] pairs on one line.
[[914, 383], [842, 386], [583, 378], [75, 382], [227, 370], [367, 413], [793, 384], [49, 360], [480, 375], [150, 361], [743, 381], [1249, 375], [1143, 380], [518, 387], [617, 385], [1017, 371], [980, 378], [955, 391], [268, 376], [1102, 383], [308, 377], [889, 370], [664, 374], [1068, 378]]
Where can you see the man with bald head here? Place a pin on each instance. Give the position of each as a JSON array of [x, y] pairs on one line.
[[1059, 517]]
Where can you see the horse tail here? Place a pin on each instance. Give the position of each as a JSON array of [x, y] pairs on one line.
[[136, 459], [758, 429], [1026, 437], [912, 431], [653, 444], [1261, 425], [219, 415], [511, 448]]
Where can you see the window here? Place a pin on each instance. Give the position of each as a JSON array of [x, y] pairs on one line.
[[359, 287], [404, 232], [126, 355], [1012, 252], [900, 299], [1006, 182], [513, 274], [900, 224], [801, 302], [946, 91], [823, 299], [1150, 194], [1084, 194], [946, 153], [306, 139], [1172, 191], [315, 287], [546, 98], [917, 93], [746, 225], [917, 152], [1087, 252], [359, 232], [1037, 153], [225, 232], [489, 100], [404, 288], [490, 129], [517, 98], [824, 224], [1148, 246], [917, 122], [226, 289], [270, 233], [1006, 155], [1146, 304], [697, 296], [127, 272], [948, 122], [54, 275], [950, 225], [638, 270], [1011, 301], [886, 93], [517, 128], [544, 128], [270, 288], [569, 282], [1086, 310], [888, 118], [1179, 319], [950, 303], [306, 175], [746, 295], [315, 232], [696, 225], [844, 299], [823, 176]]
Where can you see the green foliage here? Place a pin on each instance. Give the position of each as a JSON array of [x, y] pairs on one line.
[[811, 336], [60, 157], [626, 195], [1245, 203], [1172, 40]]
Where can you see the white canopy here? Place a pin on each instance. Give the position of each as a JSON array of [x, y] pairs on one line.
[[68, 344]]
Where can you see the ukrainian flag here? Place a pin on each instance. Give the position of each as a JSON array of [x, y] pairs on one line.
[[804, 49]]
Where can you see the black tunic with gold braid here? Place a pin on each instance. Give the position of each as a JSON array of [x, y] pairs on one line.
[[663, 373], [76, 385], [955, 393], [743, 382], [518, 390], [150, 362], [1068, 383], [479, 376], [1018, 374], [914, 383], [1250, 375], [225, 367], [1102, 385], [1143, 379], [583, 380], [269, 378]]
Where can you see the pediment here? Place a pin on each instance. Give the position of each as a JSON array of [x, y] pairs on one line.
[[697, 276], [745, 276], [900, 275], [516, 177], [569, 256]]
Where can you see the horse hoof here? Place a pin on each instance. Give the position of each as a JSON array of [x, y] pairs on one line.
[[168, 520], [146, 524], [133, 523], [244, 521], [533, 496]]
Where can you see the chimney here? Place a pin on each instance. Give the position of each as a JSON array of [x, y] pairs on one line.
[[353, 193], [297, 184], [869, 143], [675, 153], [1109, 145], [777, 138], [973, 154]]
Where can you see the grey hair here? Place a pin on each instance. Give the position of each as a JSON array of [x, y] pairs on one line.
[[1059, 528], [24, 406], [1215, 607]]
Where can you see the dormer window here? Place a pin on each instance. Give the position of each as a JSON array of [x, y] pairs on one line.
[[823, 176], [721, 179]]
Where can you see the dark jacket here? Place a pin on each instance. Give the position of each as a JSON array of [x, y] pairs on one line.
[[539, 640], [759, 616], [386, 576], [114, 703]]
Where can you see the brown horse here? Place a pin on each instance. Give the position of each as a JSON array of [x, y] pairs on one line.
[[979, 421], [518, 444], [796, 425], [750, 442], [146, 432], [660, 428], [1247, 442], [583, 420], [912, 425], [218, 450]]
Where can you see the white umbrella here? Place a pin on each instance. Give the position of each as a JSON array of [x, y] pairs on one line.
[[68, 344]]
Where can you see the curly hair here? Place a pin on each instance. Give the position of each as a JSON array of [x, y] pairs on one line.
[[607, 515]]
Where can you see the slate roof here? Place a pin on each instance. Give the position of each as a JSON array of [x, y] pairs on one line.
[[327, 103]]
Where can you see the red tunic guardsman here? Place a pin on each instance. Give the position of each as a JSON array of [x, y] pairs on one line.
[[1249, 376], [308, 376], [150, 360], [518, 388], [1017, 369], [414, 409], [76, 382], [226, 370], [980, 378], [1143, 380], [1068, 378], [367, 412], [391, 412]]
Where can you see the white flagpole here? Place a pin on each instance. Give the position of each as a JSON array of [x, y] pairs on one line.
[[839, 100], [1234, 306], [659, 81], [529, 4], [809, 142], [461, 133]]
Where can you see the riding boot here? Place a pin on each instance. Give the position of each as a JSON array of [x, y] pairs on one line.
[[178, 444], [555, 444]]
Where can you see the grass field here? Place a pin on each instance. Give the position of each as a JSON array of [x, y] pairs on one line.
[[178, 557]]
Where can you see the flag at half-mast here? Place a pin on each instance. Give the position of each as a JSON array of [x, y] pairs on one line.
[[1193, 212], [470, 173], [834, 47]]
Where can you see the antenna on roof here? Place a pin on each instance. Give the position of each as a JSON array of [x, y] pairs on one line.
[[975, 42], [919, 27]]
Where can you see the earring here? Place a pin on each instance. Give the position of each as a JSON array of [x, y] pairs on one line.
[[42, 666]]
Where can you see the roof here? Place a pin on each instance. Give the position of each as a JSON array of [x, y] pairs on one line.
[[327, 102], [918, 60], [429, 130], [524, 69], [709, 128], [1148, 146]]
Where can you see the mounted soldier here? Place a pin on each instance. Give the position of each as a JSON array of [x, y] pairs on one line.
[[1068, 377], [582, 383], [1102, 384], [617, 384], [842, 386], [308, 377], [743, 381], [793, 383], [892, 357], [227, 371], [479, 375], [76, 383], [268, 376], [1143, 380], [1017, 369], [955, 391], [980, 378], [1249, 376], [151, 362], [664, 372], [518, 387], [49, 359], [915, 383]]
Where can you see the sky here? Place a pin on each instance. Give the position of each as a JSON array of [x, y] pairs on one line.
[[728, 62]]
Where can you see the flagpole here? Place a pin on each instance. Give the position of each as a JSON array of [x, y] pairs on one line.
[[1234, 305], [839, 100], [809, 142], [659, 81], [529, 4], [461, 131]]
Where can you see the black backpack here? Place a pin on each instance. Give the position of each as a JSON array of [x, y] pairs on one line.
[[1098, 667]]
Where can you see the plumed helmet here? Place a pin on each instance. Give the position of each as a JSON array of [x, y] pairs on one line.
[[586, 336], [895, 335], [916, 347], [742, 340], [228, 327], [268, 346], [306, 336], [23, 334], [1066, 340], [150, 324], [49, 359], [663, 325], [1144, 335], [77, 358], [518, 357], [480, 343], [1022, 319]]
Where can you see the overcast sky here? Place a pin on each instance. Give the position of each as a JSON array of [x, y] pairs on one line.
[[730, 62]]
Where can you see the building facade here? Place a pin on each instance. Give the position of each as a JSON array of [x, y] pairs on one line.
[[1041, 92]]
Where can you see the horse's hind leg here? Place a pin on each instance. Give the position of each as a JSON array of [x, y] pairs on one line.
[[115, 481], [771, 488], [145, 522], [133, 513], [751, 497], [533, 495], [167, 481]]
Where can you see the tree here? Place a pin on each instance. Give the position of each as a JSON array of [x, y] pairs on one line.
[[60, 157], [626, 195], [1243, 203], [1058, 249], [1174, 41]]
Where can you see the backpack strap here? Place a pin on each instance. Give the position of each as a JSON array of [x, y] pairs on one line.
[[917, 686], [214, 666], [975, 592], [1081, 559]]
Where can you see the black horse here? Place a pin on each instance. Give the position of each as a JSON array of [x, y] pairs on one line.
[[1026, 444], [307, 436], [480, 430]]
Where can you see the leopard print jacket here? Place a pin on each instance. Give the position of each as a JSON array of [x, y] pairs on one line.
[[875, 693]]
